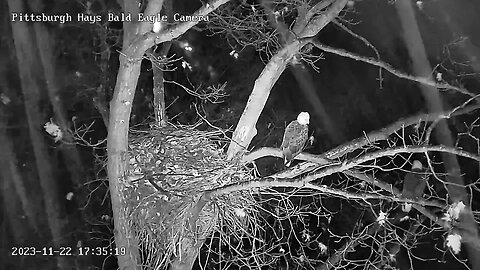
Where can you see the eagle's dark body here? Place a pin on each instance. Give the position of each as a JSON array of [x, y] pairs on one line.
[[294, 139], [414, 183]]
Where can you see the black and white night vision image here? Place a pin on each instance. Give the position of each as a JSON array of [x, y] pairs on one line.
[[239, 134]]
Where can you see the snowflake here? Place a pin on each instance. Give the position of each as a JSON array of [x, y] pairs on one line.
[[453, 242], [54, 130], [439, 77], [5, 99], [69, 196], [382, 217], [322, 247], [419, 4], [185, 64], [306, 237], [186, 46], [234, 54], [453, 212], [456, 209]]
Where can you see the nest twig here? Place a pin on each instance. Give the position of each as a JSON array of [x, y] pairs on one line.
[[169, 169]]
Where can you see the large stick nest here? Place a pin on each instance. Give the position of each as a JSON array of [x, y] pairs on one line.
[[169, 170]]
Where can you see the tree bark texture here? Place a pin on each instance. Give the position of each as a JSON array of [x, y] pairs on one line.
[[14, 183], [25, 54], [159, 107], [117, 144]]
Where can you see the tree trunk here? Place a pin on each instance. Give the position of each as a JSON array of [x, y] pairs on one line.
[[137, 39], [159, 107], [422, 67], [25, 54], [14, 181], [117, 144], [15, 200], [15, 233]]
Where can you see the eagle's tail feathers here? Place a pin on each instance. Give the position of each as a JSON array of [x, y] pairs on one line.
[[287, 156]]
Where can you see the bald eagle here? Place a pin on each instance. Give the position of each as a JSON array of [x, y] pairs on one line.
[[413, 185], [295, 137]]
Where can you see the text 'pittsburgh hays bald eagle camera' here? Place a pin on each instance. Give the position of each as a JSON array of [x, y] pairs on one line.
[[295, 137]]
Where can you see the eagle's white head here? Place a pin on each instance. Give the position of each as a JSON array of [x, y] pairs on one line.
[[417, 165], [303, 118]]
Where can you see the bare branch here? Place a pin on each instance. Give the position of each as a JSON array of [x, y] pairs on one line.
[[347, 166], [213, 94], [369, 138], [389, 68]]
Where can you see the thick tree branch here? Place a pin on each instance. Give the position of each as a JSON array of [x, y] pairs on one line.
[[318, 23], [130, 7], [372, 137], [336, 167], [149, 39]]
